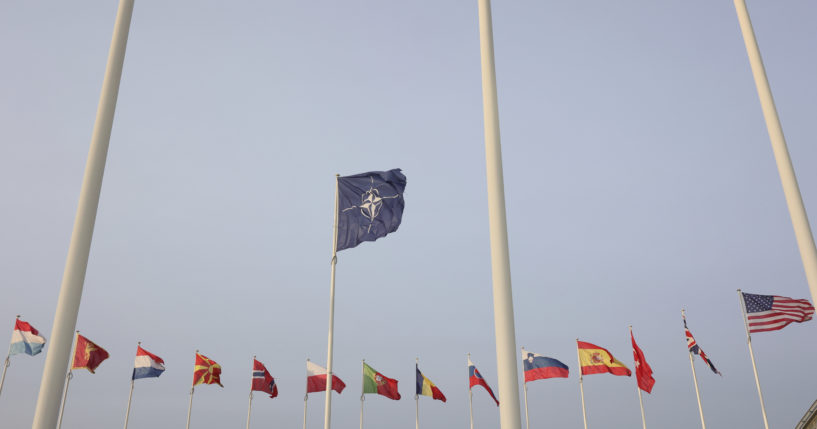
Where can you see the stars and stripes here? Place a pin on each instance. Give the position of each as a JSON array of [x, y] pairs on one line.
[[772, 312]]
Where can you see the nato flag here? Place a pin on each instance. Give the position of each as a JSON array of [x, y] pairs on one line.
[[370, 205]]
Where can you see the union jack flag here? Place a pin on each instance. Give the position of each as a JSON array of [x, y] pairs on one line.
[[695, 348]]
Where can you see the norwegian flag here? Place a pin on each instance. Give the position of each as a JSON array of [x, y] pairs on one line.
[[262, 381], [695, 348]]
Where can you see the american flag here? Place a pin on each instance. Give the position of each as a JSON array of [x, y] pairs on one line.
[[771, 312], [695, 348]]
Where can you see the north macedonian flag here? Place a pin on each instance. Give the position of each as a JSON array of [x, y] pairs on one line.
[[206, 371], [88, 355], [597, 360], [375, 382], [426, 388]]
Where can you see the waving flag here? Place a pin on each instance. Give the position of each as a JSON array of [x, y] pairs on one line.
[[88, 355], [370, 206], [25, 339], [771, 312], [375, 382], [694, 348], [426, 388], [475, 379], [262, 381], [147, 364], [316, 379], [206, 371], [643, 372], [538, 367], [597, 360]]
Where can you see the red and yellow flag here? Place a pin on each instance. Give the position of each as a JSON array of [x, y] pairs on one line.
[[88, 355], [597, 360], [206, 371]]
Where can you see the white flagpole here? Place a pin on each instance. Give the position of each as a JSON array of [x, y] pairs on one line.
[[249, 407], [416, 397], [130, 395], [68, 378], [581, 384], [695, 378], [7, 362], [500, 258], [306, 392], [327, 416], [65, 317], [192, 389], [794, 200], [752, 355], [527, 421], [638, 389], [470, 393], [362, 378]]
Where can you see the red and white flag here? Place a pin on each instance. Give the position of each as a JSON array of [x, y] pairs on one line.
[[262, 381], [316, 379], [643, 372]]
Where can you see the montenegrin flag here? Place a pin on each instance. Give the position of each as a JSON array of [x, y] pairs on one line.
[[25, 339], [597, 360], [375, 382], [88, 355], [147, 364], [426, 388], [316, 379], [206, 371]]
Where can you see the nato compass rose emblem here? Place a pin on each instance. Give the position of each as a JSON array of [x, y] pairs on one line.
[[371, 202]]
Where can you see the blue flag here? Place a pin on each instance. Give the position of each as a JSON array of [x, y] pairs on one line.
[[370, 205]]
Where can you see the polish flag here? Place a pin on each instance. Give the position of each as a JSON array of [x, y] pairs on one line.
[[316, 379]]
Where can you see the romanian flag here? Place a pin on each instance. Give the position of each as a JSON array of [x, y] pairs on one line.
[[206, 371], [88, 355], [597, 360], [426, 388]]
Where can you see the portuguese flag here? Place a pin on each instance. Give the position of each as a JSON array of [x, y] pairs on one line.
[[375, 382]]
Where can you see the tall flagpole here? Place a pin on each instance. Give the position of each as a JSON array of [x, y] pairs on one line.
[[695, 378], [638, 389], [470, 393], [581, 384], [190, 407], [794, 200], [7, 362], [416, 397], [752, 355], [65, 317], [306, 393], [68, 378], [362, 378], [327, 415], [527, 421], [500, 258], [130, 395], [249, 407]]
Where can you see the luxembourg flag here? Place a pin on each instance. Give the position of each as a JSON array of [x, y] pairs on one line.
[[147, 364], [25, 339]]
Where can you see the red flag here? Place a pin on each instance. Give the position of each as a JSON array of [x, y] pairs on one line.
[[262, 381], [88, 355], [643, 372]]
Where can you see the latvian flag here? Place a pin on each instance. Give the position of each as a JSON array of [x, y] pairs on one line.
[[771, 312], [25, 339], [262, 381], [316, 379], [147, 364]]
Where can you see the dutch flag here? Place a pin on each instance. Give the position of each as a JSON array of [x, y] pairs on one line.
[[147, 364]]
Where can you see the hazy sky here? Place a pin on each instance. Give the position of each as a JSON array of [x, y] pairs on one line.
[[639, 181]]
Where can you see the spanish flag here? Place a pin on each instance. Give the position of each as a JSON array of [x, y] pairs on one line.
[[206, 371], [597, 360]]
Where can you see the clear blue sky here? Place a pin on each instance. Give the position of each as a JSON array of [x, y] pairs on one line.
[[639, 181]]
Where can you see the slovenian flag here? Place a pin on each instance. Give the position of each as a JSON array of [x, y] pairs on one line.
[[538, 367], [25, 339], [147, 364]]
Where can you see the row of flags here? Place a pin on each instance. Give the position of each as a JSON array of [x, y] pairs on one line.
[[764, 313]]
